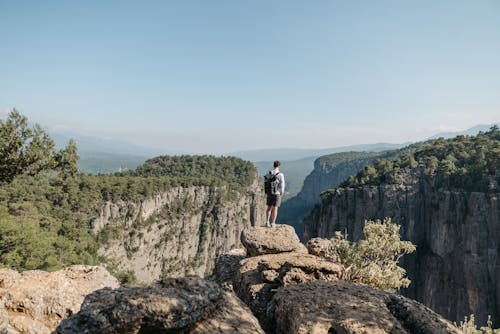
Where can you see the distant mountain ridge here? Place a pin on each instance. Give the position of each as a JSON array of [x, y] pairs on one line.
[[89, 143], [469, 132], [103, 155], [291, 154], [105, 145]]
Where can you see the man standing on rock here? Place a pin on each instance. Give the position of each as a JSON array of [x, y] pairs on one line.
[[274, 185]]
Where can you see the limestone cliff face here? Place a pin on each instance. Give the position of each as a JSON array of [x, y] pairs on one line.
[[178, 232], [456, 269], [324, 176]]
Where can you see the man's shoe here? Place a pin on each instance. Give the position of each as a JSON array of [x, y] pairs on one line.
[[273, 225], [268, 224]]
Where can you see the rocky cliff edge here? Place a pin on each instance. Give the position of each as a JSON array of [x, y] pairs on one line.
[[287, 291]]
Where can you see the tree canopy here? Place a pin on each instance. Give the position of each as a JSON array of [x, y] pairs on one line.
[[29, 150], [47, 206], [470, 163]]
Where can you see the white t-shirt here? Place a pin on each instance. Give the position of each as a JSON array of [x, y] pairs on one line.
[[281, 179]]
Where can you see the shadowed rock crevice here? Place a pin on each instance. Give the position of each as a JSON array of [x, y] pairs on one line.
[[226, 266]]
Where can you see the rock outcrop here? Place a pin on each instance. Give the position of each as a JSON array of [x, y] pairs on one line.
[[182, 305], [288, 292], [456, 268], [273, 263], [259, 277], [265, 240], [293, 292], [322, 307], [179, 232], [34, 302]]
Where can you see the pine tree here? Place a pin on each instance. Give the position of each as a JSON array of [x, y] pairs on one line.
[[23, 149], [67, 160]]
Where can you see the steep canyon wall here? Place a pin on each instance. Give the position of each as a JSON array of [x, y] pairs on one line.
[[177, 232], [456, 268]]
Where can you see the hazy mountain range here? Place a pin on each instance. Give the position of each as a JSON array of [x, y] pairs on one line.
[[101, 155], [290, 154], [469, 132]]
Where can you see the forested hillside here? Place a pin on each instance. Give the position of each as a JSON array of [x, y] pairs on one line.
[[444, 194], [469, 163], [203, 170], [47, 207]]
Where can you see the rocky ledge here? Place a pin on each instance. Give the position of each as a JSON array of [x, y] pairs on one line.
[[174, 305], [292, 292], [35, 302], [278, 289], [266, 240], [323, 307]]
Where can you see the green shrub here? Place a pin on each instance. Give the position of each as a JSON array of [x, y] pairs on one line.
[[374, 259]]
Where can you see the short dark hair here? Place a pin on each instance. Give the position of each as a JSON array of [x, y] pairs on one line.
[[277, 164]]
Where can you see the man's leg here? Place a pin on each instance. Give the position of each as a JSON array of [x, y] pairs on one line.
[[275, 215], [268, 214]]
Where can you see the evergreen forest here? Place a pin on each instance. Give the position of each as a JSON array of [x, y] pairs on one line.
[[47, 205], [463, 163]]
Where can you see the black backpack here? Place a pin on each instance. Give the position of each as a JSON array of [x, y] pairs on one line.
[[271, 183]]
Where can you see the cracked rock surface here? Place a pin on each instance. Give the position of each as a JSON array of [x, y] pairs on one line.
[[323, 307], [174, 305], [267, 240], [35, 301], [259, 277]]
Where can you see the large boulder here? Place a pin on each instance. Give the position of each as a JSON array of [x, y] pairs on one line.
[[267, 240], [323, 307], [173, 305], [259, 277], [36, 301]]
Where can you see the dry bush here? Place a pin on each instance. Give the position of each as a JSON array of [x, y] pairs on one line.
[[374, 259]]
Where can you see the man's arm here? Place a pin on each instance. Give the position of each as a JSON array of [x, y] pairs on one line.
[[282, 183]]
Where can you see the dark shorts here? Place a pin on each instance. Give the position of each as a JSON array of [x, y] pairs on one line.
[[273, 200]]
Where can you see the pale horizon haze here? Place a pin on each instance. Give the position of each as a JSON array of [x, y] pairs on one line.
[[221, 76]]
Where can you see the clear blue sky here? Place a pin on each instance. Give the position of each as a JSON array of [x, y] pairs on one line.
[[218, 76]]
